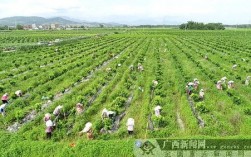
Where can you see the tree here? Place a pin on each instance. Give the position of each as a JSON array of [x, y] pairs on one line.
[[101, 26], [191, 25], [19, 27], [4, 27]]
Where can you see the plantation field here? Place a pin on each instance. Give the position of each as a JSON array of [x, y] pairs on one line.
[[92, 67]]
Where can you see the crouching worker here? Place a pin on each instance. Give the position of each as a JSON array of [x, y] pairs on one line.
[[79, 108], [18, 93], [247, 80], [88, 131], [107, 114], [189, 88], [155, 83], [230, 84], [157, 110], [57, 110], [196, 83], [5, 98], [2, 109], [131, 67], [140, 67], [201, 94], [223, 79], [234, 66], [130, 125], [219, 85]]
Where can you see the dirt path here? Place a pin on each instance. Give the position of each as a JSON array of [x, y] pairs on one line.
[[180, 122], [120, 116], [195, 113]]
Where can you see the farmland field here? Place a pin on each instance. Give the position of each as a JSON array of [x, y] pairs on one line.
[[73, 69]]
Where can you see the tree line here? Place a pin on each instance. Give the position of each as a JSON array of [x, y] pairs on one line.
[[17, 27], [191, 25]]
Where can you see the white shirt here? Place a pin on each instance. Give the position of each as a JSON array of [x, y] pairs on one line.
[[18, 92], [3, 106], [130, 127], [202, 93], [130, 124], [57, 110], [247, 82], [111, 112], [49, 123]]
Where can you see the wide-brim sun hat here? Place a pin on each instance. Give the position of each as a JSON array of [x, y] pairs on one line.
[[190, 84], [157, 108], [87, 127]]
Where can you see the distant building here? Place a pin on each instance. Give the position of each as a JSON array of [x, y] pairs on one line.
[[54, 26], [40, 27], [27, 27], [46, 27], [34, 26]]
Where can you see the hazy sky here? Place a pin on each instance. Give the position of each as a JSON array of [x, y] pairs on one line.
[[134, 11]]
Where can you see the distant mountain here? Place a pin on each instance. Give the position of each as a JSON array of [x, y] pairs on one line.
[[28, 20]]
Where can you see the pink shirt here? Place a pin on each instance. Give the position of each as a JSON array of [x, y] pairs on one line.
[[4, 97]]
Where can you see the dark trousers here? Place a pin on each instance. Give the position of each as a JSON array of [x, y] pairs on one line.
[[5, 101], [48, 135]]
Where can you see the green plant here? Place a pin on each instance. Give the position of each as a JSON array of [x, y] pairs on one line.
[[237, 100], [119, 102], [159, 122], [201, 107], [157, 100], [195, 97]]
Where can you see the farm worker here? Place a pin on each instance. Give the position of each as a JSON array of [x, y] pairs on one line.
[[230, 84], [111, 114], [49, 127], [119, 65], [104, 113], [57, 110], [79, 108], [201, 94], [140, 67], [108, 69], [2, 109], [157, 110], [234, 66], [47, 117], [88, 130], [18, 93], [206, 57], [219, 85], [247, 80], [196, 83], [155, 83], [190, 87], [223, 79], [107, 114], [131, 67], [130, 125], [5, 98]]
